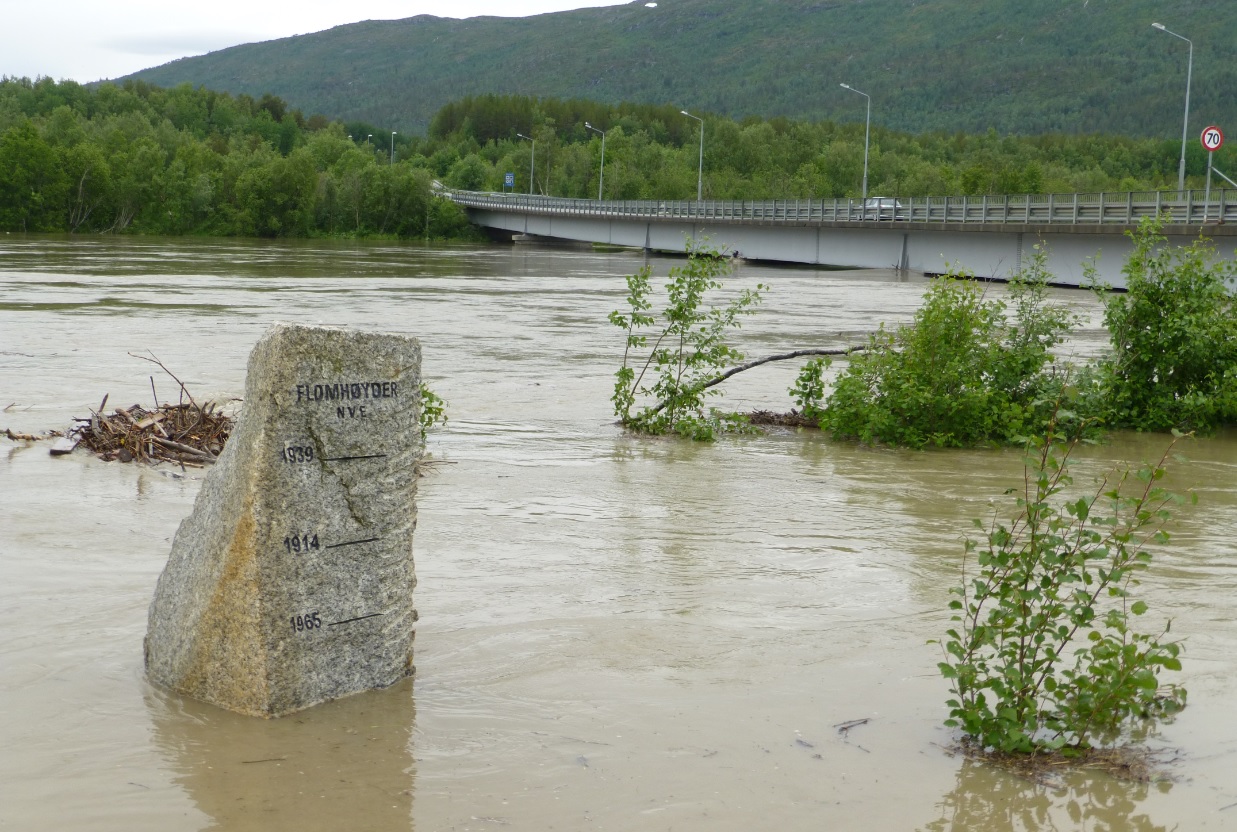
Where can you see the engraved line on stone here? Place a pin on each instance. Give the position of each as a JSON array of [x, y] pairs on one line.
[[358, 618], [348, 458], [352, 543]]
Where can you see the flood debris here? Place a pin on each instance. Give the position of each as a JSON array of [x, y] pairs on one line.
[[183, 433], [186, 433], [30, 437], [844, 727], [770, 418], [63, 445], [1132, 763]]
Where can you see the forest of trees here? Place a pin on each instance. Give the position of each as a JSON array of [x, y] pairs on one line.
[[652, 153], [140, 159]]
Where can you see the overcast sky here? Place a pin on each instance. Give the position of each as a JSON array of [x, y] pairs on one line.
[[87, 40]]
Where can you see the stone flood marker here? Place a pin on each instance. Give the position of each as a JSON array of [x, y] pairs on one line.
[[291, 582]]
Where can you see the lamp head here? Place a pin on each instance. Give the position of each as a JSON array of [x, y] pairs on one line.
[[589, 126], [845, 86], [1159, 26], [684, 112]]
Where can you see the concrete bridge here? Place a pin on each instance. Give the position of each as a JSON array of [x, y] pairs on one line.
[[990, 236]]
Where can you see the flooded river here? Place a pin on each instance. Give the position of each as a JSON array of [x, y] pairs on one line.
[[616, 633]]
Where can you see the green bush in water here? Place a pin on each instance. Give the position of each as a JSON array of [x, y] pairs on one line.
[[969, 370]]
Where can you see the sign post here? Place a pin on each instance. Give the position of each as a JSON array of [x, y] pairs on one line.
[[1213, 140]]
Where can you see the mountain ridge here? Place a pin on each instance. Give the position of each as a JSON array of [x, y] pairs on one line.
[[1034, 66]]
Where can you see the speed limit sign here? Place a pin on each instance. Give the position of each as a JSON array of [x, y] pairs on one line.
[[1213, 138]]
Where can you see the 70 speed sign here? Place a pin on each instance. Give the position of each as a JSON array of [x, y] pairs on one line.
[[1213, 138]]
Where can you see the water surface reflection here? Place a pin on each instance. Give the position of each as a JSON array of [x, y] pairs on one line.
[[988, 799], [344, 765]]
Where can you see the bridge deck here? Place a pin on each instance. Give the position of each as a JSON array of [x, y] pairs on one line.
[[1056, 212], [1084, 234]]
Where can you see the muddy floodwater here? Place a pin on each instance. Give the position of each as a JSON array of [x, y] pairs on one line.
[[616, 633]]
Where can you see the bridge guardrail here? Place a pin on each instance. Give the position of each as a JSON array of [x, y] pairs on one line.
[[1098, 209]]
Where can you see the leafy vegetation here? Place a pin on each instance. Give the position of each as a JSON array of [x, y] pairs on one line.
[[1173, 362], [970, 369], [962, 373], [192, 161], [689, 349], [651, 153], [1043, 655], [1021, 66], [433, 410], [808, 391]]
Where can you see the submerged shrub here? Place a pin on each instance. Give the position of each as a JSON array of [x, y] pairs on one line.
[[1173, 362], [687, 353], [1043, 654], [963, 373]]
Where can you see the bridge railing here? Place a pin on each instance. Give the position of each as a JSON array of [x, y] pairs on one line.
[[1105, 208]]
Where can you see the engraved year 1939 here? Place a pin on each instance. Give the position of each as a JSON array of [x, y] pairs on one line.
[[298, 453]]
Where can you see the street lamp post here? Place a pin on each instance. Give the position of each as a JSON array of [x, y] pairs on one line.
[[393, 147], [601, 179], [867, 133], [700, 170], [1189, 72], [532, 162]]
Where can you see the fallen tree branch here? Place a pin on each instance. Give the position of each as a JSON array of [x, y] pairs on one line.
[[30, 437], [733, 371], [154, 359], [184, 449]]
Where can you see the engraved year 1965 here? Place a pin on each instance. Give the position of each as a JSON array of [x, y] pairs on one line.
[[308, 621]]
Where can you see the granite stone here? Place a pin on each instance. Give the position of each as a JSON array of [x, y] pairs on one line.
[[291, 582]]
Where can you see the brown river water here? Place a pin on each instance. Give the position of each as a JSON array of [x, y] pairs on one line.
[[616, 633]]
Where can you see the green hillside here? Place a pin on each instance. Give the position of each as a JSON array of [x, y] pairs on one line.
[[1017, 66]]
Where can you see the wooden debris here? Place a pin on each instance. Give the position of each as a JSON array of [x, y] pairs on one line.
[[63, 445], [25, 437], [186, 433], [768, 418], [1133, 763]]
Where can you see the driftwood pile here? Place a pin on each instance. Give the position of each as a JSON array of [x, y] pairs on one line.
[[185, 433]]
